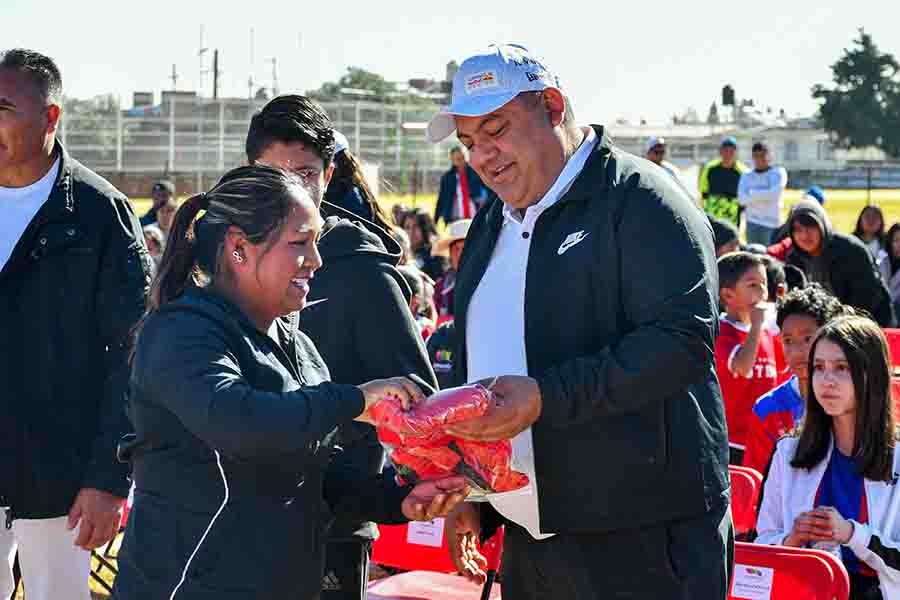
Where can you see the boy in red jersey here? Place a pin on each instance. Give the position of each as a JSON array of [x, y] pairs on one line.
[[746, 357]]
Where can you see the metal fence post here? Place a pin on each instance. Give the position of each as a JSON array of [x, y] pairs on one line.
[[172, 133], [221, 135], [119, 126], [356, 136]]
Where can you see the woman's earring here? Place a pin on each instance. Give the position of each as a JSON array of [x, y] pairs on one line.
[[237, 257]]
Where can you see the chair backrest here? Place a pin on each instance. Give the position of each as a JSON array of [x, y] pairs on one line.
[[893, 340], [780, 573], [413, 547], [746, 484]]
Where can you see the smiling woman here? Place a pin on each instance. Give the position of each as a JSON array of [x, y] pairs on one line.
[[234, 455]]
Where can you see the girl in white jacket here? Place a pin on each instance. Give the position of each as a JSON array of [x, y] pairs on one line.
[[835, 485]]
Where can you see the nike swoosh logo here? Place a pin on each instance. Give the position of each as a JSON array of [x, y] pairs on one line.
[[572, 240]]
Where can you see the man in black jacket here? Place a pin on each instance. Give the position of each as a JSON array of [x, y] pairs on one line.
[[604, 353], [73, 282], [461, 193]]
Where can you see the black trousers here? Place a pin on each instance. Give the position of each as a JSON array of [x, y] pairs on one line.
[[682, 560], [346, 569]]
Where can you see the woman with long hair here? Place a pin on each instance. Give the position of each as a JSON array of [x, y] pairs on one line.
[[349, 187], [834, 486], [236, 470], [889, 264], [870, 229], [422, 233]]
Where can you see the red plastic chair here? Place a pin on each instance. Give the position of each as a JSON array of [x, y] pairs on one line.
[[427, 585], [746, 484], [788, 573], [893, 340], [398, 548]]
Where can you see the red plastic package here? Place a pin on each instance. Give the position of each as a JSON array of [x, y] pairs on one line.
[[421, 450], [492, 463], [426, 421]]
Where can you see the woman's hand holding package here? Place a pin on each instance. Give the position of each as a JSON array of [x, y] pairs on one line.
[[401, 389], [431, 499]]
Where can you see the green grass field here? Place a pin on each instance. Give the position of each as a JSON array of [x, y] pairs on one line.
[[843, 206]]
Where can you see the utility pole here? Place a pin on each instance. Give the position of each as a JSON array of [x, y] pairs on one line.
[[174, 77], [215, 70]]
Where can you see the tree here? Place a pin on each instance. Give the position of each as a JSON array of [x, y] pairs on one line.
[[357, 79], [862, 108]]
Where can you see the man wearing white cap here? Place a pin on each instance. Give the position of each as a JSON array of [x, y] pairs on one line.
[[656, 153], [590, 288]]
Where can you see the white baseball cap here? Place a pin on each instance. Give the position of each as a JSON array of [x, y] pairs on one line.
[[486, 82], [340, 142], [654, 142]]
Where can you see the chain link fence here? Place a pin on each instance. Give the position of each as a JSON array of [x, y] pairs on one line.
[[195, 140]]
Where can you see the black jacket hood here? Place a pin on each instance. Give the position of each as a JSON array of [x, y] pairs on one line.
[[347, 234], [814, 210]]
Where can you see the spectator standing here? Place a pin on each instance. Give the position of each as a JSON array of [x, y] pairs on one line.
[[165, 216], [839, 263], [761, 194], [870, 230], [74, 273], [656, 153], [461, 191], [450, 246], [422, 234], [606, 379], [161, 193], [719, 181], [746, 357], [889, 265], [801, 312], [834, 487], [358, 316]]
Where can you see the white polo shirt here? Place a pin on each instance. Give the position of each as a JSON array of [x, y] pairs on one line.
[[495, 327]]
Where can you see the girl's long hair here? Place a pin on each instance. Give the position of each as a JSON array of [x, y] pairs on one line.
[[866, 350]]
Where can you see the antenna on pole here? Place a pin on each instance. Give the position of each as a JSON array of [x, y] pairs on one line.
[[274, 61], [203, 70], [174, 77], [252, 66]]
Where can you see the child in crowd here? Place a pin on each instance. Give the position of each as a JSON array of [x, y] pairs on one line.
[[834, 487], [746, 357], [889, 265], [870, 229], [801, 313]]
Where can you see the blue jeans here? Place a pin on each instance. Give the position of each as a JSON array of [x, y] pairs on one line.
[[759, 234]]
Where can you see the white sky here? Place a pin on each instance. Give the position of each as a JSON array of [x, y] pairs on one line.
[[631, 59]]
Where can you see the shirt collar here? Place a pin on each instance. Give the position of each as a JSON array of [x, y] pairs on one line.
[[570, 172]]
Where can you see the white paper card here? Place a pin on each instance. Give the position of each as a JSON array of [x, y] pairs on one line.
[[426, 533], [752, 583]]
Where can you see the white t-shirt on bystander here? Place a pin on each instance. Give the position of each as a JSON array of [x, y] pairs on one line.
[[18, 206]]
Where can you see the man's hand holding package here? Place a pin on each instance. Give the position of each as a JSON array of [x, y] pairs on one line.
[[517, 406], [437, 498]]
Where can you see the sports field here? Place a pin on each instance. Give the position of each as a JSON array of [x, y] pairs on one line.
[[843, 206]]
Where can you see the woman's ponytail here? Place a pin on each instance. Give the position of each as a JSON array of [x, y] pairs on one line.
[[177, 264]]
